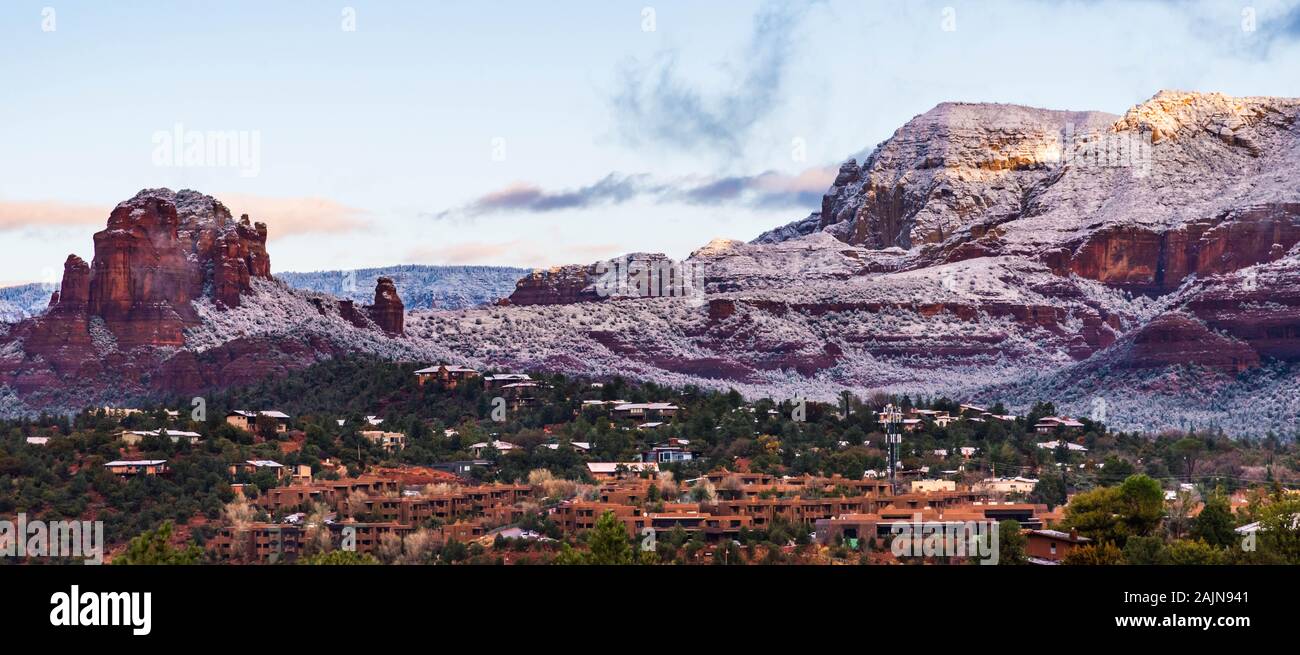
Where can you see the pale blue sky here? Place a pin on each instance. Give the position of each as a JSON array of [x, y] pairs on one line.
[[391, 128]]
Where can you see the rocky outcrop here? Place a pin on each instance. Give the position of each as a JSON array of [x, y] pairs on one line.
[[636, 275], [74, 293], [239, 255], [1258, 306], [346, 309], [953, 166], [62, 335], [1177, 115], [560, 285], [388, 312], [1177, 338], [142, 281]]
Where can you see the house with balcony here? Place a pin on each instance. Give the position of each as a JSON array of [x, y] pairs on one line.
[[389, 441], [247, 421], [448, 375]]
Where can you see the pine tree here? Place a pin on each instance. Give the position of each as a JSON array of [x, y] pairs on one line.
[[1214, 525], [153, 547], [609, 542]]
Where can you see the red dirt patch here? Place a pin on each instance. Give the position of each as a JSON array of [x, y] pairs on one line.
[[414, 475]]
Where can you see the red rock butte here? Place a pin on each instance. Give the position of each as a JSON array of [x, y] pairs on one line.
[[124, 316], [160, 251]]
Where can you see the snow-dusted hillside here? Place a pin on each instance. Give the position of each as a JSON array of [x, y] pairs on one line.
[[782, 336], [275, 310], [984, 252], [421, 287], [17, 303], [993, 252]]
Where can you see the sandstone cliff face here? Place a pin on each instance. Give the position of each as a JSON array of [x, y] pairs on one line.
[[1259, 307], [161, 251], [74, 293], [1150, 262], [62, 336]]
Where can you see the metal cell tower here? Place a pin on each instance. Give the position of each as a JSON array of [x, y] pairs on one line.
[[892, 417]]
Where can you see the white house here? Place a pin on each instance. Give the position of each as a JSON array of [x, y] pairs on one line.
[[1056, 443], [134, 437], [1050, 424], [601, 470], [1016, 485], [501, 447]]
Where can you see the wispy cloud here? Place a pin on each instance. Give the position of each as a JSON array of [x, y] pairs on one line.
[[1287, 25], [1252, 29], [293, 216], [653, 103], [16, 215], [612, 189], [768, 190], [284, 216]]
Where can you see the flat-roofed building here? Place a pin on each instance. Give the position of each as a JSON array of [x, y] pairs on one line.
[[132, 467]]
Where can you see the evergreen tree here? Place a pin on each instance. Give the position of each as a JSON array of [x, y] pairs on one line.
[[153, 547], [1011, 543], [1214, 525], [609, 543], [338, 558]]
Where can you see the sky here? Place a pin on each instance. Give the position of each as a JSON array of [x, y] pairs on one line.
[[373, 133]]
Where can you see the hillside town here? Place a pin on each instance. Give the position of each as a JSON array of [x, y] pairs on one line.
[[448, 464]]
